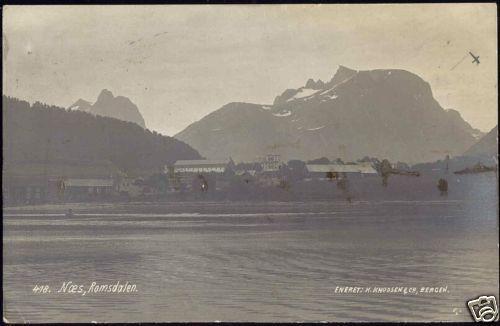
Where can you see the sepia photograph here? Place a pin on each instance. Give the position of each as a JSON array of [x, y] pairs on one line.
[[250, 163]]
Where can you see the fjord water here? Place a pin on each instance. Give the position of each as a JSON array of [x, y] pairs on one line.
[[251, 261]]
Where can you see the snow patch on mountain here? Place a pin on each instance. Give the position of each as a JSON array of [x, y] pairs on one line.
[[303, 92], [316, 128], [283, 114]]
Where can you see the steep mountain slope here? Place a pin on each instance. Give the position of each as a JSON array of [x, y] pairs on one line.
[[235, 130], [48, 135], [383, 113], [487, 146], [107, 105]]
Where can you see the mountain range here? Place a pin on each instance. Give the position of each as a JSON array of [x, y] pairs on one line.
[[384, 113], [108, 105]]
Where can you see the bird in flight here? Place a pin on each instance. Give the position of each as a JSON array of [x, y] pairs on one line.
[[476, 58]]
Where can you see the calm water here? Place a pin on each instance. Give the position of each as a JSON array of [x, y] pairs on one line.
[[251, 262]]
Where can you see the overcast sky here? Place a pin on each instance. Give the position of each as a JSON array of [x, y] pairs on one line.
[[179, 63]]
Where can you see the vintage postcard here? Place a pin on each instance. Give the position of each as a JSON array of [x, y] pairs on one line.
[[250, 163]]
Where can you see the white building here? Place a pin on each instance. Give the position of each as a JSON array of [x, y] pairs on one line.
[[336, 170], [270, 162], [90, 185], [84, 189], [200, 166]]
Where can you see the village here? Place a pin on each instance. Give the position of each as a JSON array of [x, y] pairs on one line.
[[267, 178], [182, 177]]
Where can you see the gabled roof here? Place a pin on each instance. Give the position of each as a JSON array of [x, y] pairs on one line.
[[364, 168], [88, 182], [201, 163], [248, 172]]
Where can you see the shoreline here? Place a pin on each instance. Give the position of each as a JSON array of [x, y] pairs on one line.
[[188, 206]]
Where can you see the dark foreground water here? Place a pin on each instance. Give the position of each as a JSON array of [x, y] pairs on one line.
[[251, 262]]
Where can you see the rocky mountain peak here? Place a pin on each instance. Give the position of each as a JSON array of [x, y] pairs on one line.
[[105, 95], [342, 74], [81, 105], [119, 107], [311, 84]]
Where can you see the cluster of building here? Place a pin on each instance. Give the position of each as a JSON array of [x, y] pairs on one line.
[[43, 189], [186, 174], [182, 176]]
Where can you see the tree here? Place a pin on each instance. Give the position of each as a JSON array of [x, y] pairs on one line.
[[443, 186], [385, 169]]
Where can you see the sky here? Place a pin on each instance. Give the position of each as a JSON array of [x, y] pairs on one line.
[[179, 63]]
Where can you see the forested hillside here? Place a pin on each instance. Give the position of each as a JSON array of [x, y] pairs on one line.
[[43, 134]]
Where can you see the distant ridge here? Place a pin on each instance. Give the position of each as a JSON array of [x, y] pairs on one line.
[[487, 145]]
